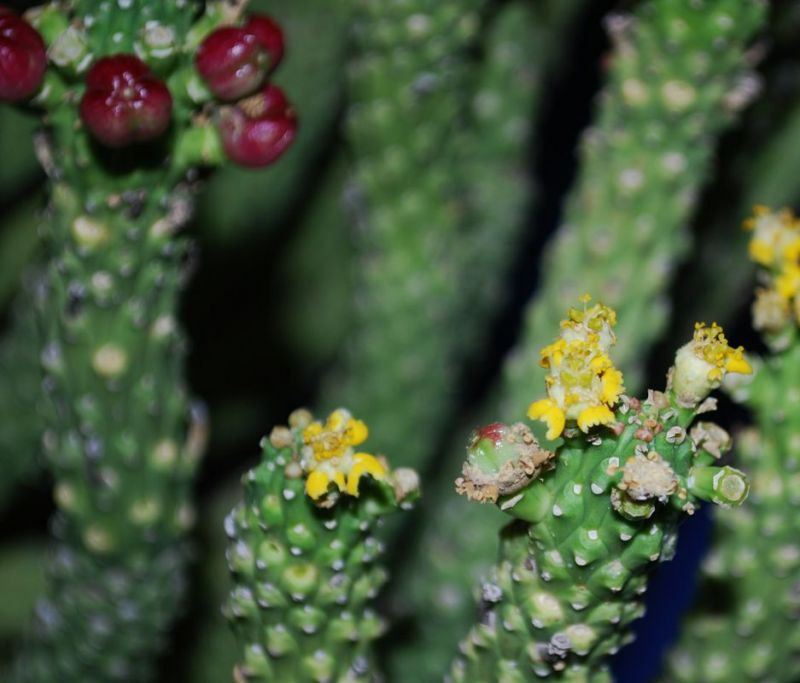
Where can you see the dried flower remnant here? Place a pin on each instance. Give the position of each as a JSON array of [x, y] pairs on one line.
[[501, 460]]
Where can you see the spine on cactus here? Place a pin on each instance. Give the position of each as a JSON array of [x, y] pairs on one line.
[[754, 562], [594, 515], [128, 116], [303, 555], [407, 83]]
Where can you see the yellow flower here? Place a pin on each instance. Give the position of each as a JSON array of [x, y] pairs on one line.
[[775, 235], [551, 414], [582, 384], [787, 284], [340, 432], [328, 457], [363, 463], [701, 364], [776, 246]]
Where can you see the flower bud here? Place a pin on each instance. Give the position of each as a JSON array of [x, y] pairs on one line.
[[701, 365]]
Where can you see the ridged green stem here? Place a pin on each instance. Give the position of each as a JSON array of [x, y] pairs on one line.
[[573, 569], [522, 47], [116, 409], [305, 574], [679, 75], [770, 177], [408, 81], [744, 626], [520, 50], [754, 170], [624, 229], [313, 334]]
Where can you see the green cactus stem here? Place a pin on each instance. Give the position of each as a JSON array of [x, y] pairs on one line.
[[303, 555], [121, 437], [524, 45], [679, 75], [407, 87], [768, 179], [595, 515], [756, 170], [744, 624], [522, 48], [641, 165]]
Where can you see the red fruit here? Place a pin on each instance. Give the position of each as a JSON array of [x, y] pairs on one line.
[[235, 61], [23, 58], [124, 102], [269, 35], [257, 130]]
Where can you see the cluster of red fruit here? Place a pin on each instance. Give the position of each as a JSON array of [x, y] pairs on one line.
[[125, 103]]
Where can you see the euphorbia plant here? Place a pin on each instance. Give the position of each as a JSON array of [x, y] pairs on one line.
[[126, 120], [594, 512]]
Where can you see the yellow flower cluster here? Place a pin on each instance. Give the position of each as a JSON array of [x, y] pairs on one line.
[[329, 458], [582, 383], [701, 365], [775, 245], [710, 344]]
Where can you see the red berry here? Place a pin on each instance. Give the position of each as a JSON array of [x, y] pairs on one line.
[[235, 61], [124, 102], [231, 62], [23, 58], [257, 130], [269, 35]]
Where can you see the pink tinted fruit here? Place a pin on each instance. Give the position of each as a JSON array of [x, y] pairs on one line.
[[124, 102], [23, 58], [234, 61], [270, 37], [257, 130]]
